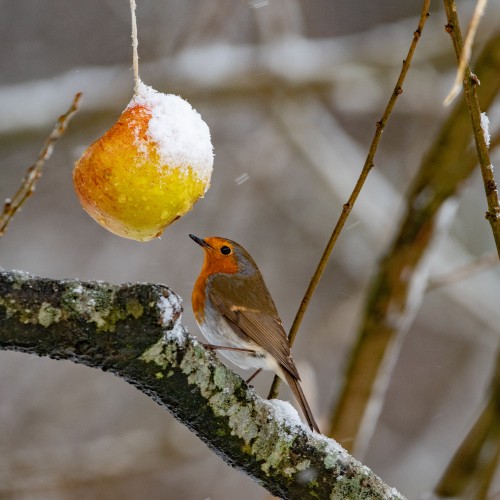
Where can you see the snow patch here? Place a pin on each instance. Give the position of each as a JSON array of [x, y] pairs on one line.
[[178, 334], [168, 306], [284, 411], [23, 274], [334, 451], [179, 132], [485, 125]]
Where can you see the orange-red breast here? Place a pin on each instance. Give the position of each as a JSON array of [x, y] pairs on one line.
[[236, 313]]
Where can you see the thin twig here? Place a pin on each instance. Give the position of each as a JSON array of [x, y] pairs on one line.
[[34, 173], [467, 270], [466, 51], [135, 43], [346, 210], [470, 83]]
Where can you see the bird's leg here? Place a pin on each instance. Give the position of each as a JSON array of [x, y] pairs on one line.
[[212, 347], [249, 379]]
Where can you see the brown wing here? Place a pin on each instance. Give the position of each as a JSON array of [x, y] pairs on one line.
[[254, 316]]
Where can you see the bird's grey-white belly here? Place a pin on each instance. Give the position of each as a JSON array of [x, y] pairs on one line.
[[218, 332]]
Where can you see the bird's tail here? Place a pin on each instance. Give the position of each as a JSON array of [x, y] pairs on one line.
[[299, 395]]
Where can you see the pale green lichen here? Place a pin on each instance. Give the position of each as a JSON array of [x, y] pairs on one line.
[[262, 438], [267, 443], [13, 308], [330, 461], [196, 366], [159, 375], [157, 354], [9, 306], [242, 423], [275, 455], [221, 379], [219, 403], [97, 306], [48, 314], [300, 467], [135, 308], [92, 304], [313, 485]]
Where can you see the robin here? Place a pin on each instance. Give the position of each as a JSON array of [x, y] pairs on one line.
[[237, 315]]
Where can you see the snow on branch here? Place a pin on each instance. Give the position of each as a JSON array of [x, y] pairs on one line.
[[134, 331]]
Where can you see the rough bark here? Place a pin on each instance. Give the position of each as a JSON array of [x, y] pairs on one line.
[[135, 332]]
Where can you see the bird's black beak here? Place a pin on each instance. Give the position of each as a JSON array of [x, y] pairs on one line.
[[200, 242]]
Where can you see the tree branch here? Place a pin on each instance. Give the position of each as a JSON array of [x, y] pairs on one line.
[[34, 173], [397, 290], [134, 331], [470, 84]]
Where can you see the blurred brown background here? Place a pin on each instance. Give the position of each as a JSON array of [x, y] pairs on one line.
[[291, 91]]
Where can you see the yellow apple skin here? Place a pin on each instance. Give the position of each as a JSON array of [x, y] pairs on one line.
[[122, 184]]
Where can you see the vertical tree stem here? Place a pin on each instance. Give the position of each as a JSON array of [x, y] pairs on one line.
[[347, 208], [470, 83]]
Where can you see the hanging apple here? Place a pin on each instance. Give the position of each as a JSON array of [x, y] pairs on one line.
[[148, 169]]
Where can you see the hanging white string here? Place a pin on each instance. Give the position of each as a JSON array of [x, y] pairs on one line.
[[135, 43]]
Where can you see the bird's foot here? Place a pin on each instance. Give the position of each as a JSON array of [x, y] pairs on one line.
[[254, 374]]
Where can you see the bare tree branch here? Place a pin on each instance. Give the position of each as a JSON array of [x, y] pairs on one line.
[[34, 173], [397, 290], [470, 83], [347, 207], [134, 331]]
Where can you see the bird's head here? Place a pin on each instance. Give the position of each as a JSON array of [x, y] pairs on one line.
[[225, 256]]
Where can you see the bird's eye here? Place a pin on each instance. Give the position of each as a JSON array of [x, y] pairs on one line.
[[225, 250]]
